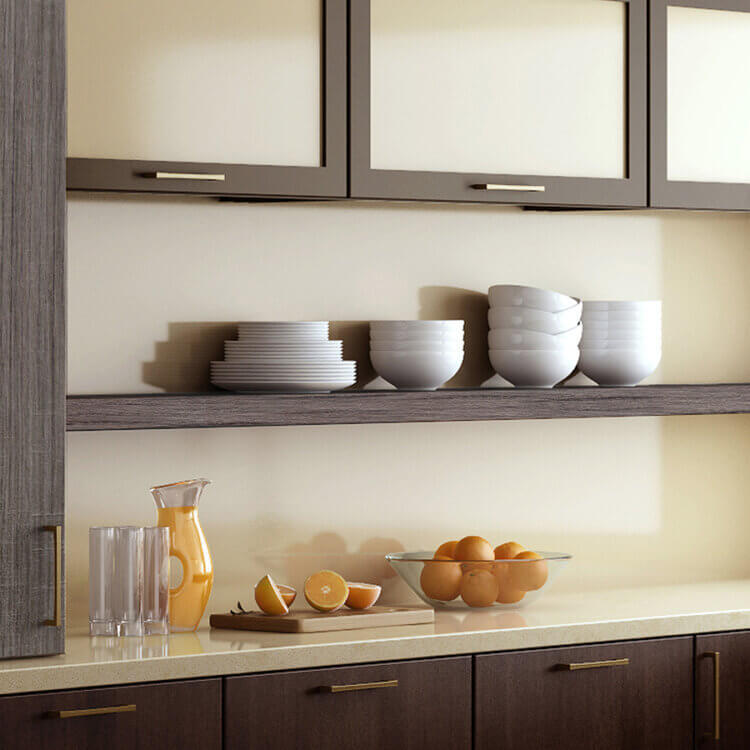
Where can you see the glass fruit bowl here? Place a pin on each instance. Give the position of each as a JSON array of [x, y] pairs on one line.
[[449, 584]]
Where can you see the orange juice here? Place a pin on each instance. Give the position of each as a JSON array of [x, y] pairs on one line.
[[188, 552]]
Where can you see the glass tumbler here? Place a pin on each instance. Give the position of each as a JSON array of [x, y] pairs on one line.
[[128, 584], [101, 581], [156, 580]]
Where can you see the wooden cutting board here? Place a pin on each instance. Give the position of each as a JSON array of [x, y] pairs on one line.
[[317, 622]]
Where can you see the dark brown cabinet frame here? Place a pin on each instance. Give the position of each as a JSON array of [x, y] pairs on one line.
[[666, 193], [630, 192], [241, 180]]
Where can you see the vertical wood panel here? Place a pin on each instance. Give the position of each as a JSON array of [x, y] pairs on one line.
[[32, 319]]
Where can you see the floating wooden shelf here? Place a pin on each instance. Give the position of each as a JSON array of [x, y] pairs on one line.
[[181, 411]]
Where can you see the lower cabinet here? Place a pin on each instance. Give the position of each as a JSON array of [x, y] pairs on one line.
[[165, 716], [722, 691], [620, 697], [422, 705]]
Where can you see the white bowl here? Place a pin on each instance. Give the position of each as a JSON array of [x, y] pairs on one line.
[[534, 368], [623, 367], [652, 306], [511, 295], [628, 345], [637, 337], [629, 326], [395, 327], [620, 316], [517, 338], [447, 335], [535, 320], [418, 346], [416, 370]]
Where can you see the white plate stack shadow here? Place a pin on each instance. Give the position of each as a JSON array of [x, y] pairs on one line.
[[283, 357], [534, 335]]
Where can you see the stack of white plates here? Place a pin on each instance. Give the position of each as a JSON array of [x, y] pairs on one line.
[[621, 341], [283, 356], [419, 355], [534, 335]]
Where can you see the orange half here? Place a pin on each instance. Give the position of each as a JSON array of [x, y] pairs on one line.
[[326, 591], [269, 598], [288, 594], [362, 595]]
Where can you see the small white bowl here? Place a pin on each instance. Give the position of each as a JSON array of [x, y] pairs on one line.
[[534, 368], [652, 306], [631, 326], [636, 337], [415, 326], [619, 367], [517, 338], [416, 370], [531, 319], [448, 336], [416, 346], [511, 295], [620, 316]]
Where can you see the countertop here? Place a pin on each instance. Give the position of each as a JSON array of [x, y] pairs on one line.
[[554, 620]]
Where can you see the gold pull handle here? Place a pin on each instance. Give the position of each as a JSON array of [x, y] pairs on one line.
[[57, 621], [511, 188], [130, 708], [715, 656], [185, 176], [594, 664], [359, 686]]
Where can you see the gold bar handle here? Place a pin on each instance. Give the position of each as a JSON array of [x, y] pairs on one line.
[[56, 622], [359, 686], [511, 188], [186, 176], [72, 714], [594, 664], [716, 657]]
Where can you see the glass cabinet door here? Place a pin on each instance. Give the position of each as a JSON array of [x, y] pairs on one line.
[[236, 97], [700, 79], [533, 102]]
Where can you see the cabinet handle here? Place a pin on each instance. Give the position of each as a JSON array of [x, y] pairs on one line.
[[511, 188], [73, 713], [594, 664], [185, 176], [359, 686], [56, 622], [715, 656]]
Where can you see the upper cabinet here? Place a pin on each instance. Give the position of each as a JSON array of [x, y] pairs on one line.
[[230, 97], [540, 102], [700, 108]]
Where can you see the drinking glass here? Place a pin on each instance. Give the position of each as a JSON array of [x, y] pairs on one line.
[[156, 580], [101, 580], [128, 582]]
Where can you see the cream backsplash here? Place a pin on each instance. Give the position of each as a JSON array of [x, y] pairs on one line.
[[155, 284]]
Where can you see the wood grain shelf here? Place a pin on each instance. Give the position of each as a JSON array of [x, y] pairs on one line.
[[197, 410]]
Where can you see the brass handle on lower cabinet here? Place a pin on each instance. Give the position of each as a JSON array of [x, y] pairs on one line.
[[594, 664], [186, 176], [511, 188], [716, 734], [72, 714], [359, 686], [56, 622]]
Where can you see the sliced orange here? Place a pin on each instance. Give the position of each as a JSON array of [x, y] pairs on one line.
[[326, 591], [269, 598], [362, 595], [288, 594]]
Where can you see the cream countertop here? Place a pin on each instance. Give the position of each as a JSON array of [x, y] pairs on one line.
[[554, 620]]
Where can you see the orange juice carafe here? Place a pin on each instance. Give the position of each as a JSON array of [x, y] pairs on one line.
[[178, 510]]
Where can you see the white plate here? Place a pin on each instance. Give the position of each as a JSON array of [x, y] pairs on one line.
[[286, 359], [283, 366], [298, 387], [284, 326]]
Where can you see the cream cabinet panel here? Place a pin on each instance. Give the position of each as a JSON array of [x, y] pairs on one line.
[[708, 95], [533, 87], [231, 81]]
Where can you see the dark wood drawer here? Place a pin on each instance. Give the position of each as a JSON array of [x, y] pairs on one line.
[[533, 700], [167, 716], [429, 707]]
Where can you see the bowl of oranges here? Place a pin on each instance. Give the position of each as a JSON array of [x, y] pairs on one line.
[[471, 573]]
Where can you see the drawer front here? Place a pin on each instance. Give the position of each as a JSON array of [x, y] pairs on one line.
[[563, 698], [404, 705], [166, 716]]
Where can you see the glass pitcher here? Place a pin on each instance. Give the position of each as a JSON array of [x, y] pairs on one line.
[[178, 510]]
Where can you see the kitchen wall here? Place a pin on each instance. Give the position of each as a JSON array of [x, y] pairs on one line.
[[155, 284]]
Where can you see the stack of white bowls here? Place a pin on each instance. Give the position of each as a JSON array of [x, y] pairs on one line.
[[621, 341], [534, 335], [283, 356], [418, 355]]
